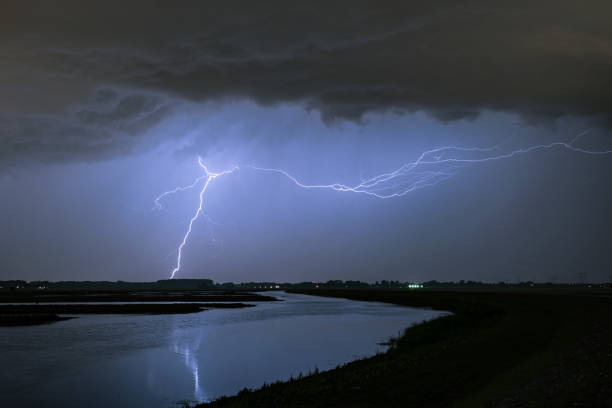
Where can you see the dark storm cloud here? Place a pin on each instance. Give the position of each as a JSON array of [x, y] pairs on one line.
[[449, 59], [106, 126]]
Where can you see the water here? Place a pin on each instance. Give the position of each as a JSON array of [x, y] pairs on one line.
[[157, 361]]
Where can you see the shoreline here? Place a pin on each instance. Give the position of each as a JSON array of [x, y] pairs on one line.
[[35, 314], [81, 296], [31, 319], [495, 349]]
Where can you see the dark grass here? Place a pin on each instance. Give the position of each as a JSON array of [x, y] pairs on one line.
[[497, 349]]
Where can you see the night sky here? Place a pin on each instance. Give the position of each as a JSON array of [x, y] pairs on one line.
[[104, 105]]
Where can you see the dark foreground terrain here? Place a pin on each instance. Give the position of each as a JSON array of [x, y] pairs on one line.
[[19, 315], [32, 307], [497, 350], [64, 296]]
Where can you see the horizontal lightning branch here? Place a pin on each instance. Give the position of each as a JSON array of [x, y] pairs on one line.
[[430, 168]]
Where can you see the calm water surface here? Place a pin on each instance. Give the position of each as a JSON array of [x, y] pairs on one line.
[[157, 361]]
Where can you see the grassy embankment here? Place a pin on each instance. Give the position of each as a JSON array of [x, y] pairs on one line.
[[497, 349]]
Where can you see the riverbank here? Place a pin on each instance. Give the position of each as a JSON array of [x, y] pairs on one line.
[[30, 319], [66, 296], [499, 349], [26, 307], [28, 314]]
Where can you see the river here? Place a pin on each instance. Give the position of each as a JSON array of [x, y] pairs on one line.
[[156, 361]]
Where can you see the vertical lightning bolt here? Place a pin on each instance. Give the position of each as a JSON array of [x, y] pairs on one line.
[[208, 177], [430, 168]]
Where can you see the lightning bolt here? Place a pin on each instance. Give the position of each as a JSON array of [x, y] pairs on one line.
[[207, 177], [430, 168], [158, 205]]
